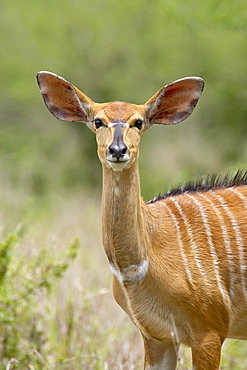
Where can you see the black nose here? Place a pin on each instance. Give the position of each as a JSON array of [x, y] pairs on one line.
[[117, 151]]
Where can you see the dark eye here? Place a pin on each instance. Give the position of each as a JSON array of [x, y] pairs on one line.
[[138, 123], [98, 123]]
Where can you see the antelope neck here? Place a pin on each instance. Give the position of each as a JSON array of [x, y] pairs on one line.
[[124, 235]]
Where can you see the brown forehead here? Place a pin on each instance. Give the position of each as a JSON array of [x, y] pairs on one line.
[[119, 111]]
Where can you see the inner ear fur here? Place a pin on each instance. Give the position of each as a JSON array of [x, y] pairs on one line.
[[63, 100], [174, 102]]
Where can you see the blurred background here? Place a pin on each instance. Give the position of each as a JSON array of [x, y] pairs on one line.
[[50, 176]]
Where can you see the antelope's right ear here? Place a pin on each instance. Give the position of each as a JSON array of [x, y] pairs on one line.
[[174, 102], [63, 99]]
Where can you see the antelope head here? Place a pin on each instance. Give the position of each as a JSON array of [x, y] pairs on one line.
[[119, 125]]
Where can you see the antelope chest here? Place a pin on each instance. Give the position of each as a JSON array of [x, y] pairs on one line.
[[155, 319]]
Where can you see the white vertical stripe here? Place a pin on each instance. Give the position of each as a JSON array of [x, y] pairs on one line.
[[239, 240], [191, 237], [212, 248], [180, 243], [225, 236]]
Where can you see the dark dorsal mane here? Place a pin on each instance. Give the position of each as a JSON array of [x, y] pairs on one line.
[[208, 183]]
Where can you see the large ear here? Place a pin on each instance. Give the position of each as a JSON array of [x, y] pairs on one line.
[[63, 99], [174, 102]]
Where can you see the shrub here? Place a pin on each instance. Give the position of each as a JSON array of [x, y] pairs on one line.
[[24, 342]]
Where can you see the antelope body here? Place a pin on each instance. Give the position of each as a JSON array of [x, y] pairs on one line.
[[179, 261]]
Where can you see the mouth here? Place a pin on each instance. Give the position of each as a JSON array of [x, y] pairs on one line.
[[113, 159], [117, 164]]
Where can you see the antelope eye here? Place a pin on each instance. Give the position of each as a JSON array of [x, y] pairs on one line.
[[98, 123], [138, 123]]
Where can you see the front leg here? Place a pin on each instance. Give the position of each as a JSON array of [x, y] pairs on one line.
[[160, 355], [206, 352]]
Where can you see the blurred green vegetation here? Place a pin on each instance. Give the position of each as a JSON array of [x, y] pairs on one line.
[[23, 286], [121, 51]]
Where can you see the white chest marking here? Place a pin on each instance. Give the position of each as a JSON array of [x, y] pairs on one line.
[[130, 273]]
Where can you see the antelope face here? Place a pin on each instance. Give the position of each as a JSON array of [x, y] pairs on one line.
[[118, 127]]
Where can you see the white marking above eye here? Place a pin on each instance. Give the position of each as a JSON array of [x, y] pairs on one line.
[[123, 124]]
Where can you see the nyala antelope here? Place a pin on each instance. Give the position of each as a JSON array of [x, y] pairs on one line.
[[178, 261]]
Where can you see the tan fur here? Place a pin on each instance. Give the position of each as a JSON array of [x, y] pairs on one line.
[[179, 262]]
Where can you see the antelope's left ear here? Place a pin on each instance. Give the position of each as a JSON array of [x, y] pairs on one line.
[[174, 102], [63, 99]]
